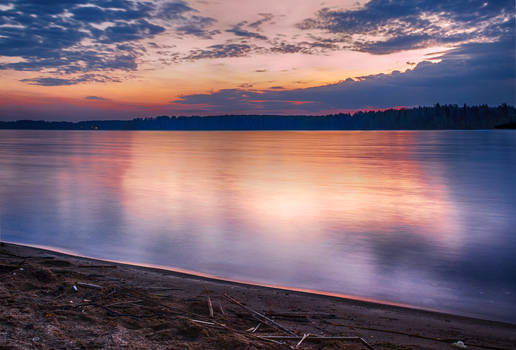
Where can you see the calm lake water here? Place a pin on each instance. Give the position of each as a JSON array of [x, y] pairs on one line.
[[422, 218]]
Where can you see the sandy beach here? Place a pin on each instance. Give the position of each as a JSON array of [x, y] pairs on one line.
[[51, 300]]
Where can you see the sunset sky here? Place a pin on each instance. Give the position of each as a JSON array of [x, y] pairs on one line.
[[120, 59]]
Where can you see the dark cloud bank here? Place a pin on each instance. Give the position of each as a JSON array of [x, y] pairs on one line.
[[473, 73]]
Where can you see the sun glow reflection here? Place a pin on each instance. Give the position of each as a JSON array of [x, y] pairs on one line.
[[280, 191]]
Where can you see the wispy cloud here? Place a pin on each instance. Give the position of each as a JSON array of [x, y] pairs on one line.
[[382, 26], [95, 98], [49, 81]]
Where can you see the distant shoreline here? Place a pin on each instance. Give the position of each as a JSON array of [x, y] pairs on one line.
[[445, 117]]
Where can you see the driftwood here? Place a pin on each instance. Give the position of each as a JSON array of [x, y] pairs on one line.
[[221, 309], [262, 317], [133, 302], [88, 285], [210, 307], [203, 322], [254, 329], [302, 339], [311, 337], [442, 340]]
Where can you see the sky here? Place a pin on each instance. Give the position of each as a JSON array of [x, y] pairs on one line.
[[121, 59]]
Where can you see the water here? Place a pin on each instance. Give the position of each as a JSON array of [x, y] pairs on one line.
[[421, 218]]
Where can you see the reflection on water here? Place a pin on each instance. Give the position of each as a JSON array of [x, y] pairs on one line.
[[423, 218]]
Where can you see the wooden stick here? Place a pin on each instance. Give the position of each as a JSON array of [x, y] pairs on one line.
[[253, 329], [282, 337], [89, 285], [203, 322], [124, 302], [313, 337], [256, 328], [366, 344], [306, 335], [221, 309], [301, 314], [442, 340], [210, 307], [272, 340], [269, 321]]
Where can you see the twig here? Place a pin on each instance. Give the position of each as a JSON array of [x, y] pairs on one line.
[[306, 335], [312, 337], [263, 317], [210, 307], [221, 309], [203, 322], [253, 329], [124, 302], [283, 337], [269, 340], [442, 340], [300, 314], [89, 285]]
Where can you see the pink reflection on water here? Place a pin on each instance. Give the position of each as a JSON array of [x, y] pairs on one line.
[[352, 182]]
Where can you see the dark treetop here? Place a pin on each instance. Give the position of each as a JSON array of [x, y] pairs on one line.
[[420, 118]]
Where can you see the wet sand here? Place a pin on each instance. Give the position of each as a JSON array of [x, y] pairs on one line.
[[51, 300]]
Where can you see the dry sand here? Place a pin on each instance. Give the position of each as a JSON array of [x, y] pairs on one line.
[[119, 306]]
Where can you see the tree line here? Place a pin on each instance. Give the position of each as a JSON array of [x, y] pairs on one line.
[[419, 118]]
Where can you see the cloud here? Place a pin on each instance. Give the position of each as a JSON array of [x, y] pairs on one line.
[[175, 10], [220, 51], [304, 47], [89, 36], [403, 25], [50, 81], [242, 29], [198, 26], [95, 98], [238, 30], [473, 73], [265, 17], [123, 32]]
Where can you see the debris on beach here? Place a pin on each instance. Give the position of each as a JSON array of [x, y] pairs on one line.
[[66, 302]]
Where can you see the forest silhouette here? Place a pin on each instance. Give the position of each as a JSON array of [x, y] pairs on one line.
[[420, 118]]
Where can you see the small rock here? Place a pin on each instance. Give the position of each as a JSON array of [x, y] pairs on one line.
[[459, 344]]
